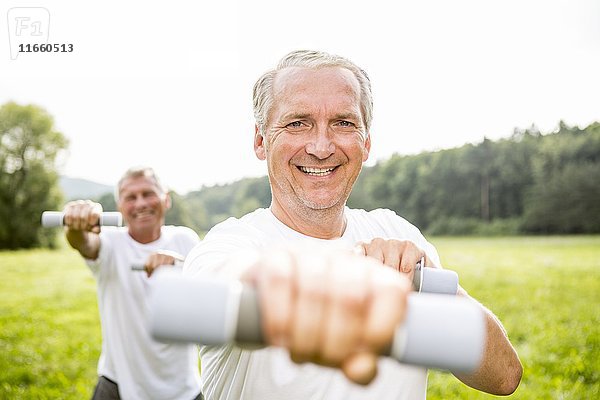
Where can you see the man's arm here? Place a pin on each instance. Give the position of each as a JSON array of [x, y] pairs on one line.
[[81, 219], [500, 370]]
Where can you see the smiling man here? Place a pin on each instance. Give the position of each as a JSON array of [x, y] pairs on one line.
[[132, 365], [315, 143], [327, 310]]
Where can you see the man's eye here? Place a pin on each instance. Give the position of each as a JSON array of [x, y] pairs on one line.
[[344, 123], [295, 124]]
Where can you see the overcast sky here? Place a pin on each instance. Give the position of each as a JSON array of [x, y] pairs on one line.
[[169, 85]]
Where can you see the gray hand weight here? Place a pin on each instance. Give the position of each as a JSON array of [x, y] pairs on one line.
[[435, 280], [51, 219], [440, 332]]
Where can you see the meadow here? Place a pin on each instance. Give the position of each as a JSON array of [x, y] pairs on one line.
[[545, 290]]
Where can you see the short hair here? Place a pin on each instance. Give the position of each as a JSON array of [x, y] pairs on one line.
[[136, 172], [263, 88]]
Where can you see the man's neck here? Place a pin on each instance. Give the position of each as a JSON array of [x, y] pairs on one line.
[[328, 223], [146, 236]]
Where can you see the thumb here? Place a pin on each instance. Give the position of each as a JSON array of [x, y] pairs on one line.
[[360, 367]]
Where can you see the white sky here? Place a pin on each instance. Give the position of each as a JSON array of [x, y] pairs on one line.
[[168, 84]]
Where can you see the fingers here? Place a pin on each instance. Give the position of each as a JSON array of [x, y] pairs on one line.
[[276, 289], [401, 255], [347, 308], [159, 259], [386, 310], [309, 309], [82, 215], [322, 306]]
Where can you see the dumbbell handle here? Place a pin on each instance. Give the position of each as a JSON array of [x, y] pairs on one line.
[[441, 332], [142, 267], [435, 280], [52, 219]]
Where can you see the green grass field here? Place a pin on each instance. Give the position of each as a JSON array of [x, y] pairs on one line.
[[546, 291]]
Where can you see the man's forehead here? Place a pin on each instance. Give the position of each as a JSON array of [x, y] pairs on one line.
[[306, 91], [131, 182], [295, 77]]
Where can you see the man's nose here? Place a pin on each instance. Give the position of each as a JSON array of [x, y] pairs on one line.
[[140, 201], [320, 143]]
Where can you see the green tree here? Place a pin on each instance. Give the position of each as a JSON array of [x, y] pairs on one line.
[[565, 193], [29, 145], [108, 202], [179, 213], [252, 193]]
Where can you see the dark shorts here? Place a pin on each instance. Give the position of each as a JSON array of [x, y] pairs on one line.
[[109, 390]]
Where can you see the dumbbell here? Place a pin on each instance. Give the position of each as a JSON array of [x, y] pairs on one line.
[[142, 267], [178, 264], [52, 219], [435, 280], [440, 332]]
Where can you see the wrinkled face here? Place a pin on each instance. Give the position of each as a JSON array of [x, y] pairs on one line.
[[315, 141], [143, 204]]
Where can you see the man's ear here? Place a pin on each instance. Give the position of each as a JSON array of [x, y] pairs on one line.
[[367, 148], [168, 202], [259, 144]]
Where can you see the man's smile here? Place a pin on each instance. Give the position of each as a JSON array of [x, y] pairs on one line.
[[143, 214], [313, 171]]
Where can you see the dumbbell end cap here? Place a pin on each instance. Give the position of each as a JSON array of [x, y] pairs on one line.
[[111, 218], [52, 219]]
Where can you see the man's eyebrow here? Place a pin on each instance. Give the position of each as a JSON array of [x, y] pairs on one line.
[[294, 115], [302, 115], [349, 115]]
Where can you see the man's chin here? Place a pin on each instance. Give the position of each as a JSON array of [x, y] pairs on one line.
[[143, 222], [321, 204]]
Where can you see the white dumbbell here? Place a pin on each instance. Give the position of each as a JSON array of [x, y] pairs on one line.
[[52, 219], [441, 332], [435, 280]]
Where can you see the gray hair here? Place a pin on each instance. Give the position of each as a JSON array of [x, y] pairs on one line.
[[136, 172], [263, 88]]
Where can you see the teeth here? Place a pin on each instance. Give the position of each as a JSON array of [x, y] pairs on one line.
[[316, 171]]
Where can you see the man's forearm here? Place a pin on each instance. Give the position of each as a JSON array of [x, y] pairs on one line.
[[86, 243], [501, 370]]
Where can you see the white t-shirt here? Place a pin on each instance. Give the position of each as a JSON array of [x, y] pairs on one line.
[[142, 367], [232, 373]]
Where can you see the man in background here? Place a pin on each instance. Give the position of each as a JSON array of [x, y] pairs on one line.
[[132, 365]]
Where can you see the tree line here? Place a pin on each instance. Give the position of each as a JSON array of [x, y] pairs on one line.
[[529, 183]]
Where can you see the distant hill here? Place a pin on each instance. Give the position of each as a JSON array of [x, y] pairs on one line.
[[76, 188]]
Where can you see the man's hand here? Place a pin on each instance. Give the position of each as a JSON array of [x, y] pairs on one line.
[[81, 220], [401, 255], [161, 258], [82, 215], [335, 309]]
